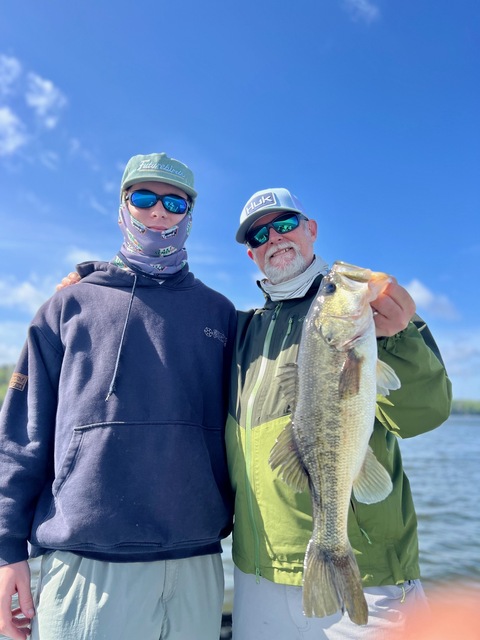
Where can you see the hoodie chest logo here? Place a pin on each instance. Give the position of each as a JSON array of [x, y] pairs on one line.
[[217, 335]]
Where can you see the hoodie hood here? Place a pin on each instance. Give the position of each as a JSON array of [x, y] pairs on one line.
[[109, 275]]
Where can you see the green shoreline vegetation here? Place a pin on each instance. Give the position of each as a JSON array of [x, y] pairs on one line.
[[5, 375], [459, 407]]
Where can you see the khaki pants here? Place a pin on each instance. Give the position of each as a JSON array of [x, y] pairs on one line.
[[81, 599]]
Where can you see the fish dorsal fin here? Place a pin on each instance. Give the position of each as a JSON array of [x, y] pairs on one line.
[[373, 483], [349, 383], [284, 454], [287, 380], [387, 379]]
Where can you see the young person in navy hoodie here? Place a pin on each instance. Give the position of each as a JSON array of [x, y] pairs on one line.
[[112, 438]]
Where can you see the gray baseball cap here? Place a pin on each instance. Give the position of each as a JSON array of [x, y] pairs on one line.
[[158, 167], [264, 202]]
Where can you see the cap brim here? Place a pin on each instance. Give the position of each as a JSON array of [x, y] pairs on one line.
[[188, 190]]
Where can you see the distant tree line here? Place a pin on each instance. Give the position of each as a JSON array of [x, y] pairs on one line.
[[5, 375], [459, 407], [470, 407]]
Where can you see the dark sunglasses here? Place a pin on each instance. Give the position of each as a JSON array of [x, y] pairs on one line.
[[144, 199], [284, 223]]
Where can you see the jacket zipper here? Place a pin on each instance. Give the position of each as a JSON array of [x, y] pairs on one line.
[[248, 438], [289, 330]]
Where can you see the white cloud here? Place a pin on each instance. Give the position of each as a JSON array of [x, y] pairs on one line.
[[76, 255], [45, 99], [436, 304], [25, 296], [13, 335], [45, 103], [463, 358], [362, 10], [10, 70], [12, 132], [461, 353]]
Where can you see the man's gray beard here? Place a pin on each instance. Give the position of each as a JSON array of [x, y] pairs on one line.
[[293, 269]]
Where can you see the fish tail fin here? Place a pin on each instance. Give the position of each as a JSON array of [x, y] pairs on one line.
[[332, 582]]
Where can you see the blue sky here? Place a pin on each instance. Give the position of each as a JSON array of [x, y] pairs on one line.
[[368, 110]]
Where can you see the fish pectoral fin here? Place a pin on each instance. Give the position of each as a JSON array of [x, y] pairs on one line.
[[349, 382], [387, 379], [373, 483], [284, 454], [287, 380]]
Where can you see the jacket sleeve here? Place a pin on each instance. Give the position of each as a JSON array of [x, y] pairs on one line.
[[424, 399], [27, 423]]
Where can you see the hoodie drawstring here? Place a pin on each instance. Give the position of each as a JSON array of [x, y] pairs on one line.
[[111, 390]]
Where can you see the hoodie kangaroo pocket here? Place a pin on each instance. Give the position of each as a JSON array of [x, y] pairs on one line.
[[134, 484]]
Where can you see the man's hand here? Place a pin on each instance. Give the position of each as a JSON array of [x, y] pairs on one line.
[[72, 278], [15, 579], [393, 309]]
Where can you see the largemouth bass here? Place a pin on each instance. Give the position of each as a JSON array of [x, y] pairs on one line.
[[325, 447]]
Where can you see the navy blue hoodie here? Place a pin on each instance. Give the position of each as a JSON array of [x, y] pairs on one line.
[[141, 475]]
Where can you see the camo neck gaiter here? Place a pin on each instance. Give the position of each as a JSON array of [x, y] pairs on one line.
[[156, 253]]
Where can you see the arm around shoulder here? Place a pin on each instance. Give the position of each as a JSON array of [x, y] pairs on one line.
[[424, 400]]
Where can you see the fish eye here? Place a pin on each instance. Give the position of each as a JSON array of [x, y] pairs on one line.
[[329, 288]]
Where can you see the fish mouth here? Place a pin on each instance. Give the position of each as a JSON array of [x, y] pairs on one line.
[[353, 341], [377, 280], [352, 272]]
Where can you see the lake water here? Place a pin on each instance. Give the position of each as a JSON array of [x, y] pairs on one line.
[[444, 471]]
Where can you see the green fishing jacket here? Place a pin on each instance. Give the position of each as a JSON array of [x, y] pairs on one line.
[[273, 524]]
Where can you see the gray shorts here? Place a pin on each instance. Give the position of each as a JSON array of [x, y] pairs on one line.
[[81, 599]]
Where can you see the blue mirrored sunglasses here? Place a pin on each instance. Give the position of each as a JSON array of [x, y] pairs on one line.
[[144, 199], [284, 223]]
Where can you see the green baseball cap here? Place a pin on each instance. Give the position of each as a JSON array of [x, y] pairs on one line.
[[158, 167]]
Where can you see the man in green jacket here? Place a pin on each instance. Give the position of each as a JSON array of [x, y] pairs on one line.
[[273, 524]]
